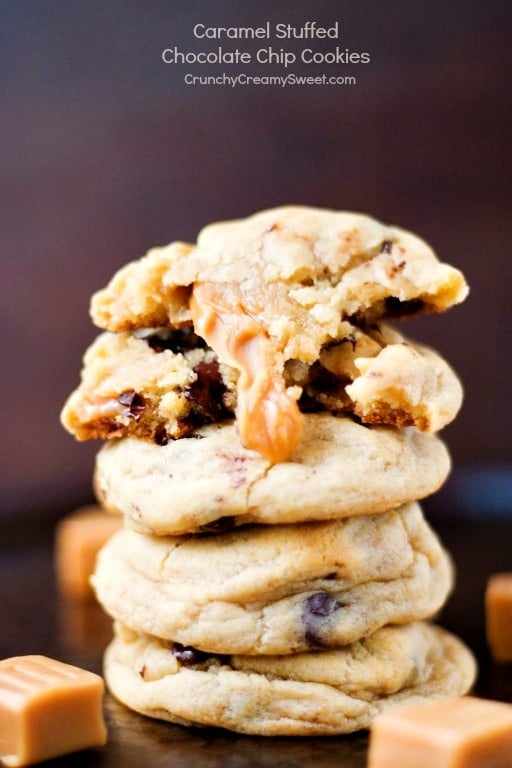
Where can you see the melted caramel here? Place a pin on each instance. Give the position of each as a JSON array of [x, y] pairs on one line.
[[268, 417]]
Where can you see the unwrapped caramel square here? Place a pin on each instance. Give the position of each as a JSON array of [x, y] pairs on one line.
[[498, 615], [47, 709], [78, 539], [465, 732]]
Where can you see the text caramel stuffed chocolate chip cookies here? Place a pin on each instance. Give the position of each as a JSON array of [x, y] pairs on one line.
[[268, 434]]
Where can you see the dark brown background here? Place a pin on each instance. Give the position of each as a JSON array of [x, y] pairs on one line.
[[105, 153]]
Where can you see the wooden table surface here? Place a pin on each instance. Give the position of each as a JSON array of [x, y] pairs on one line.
[[35, 619]]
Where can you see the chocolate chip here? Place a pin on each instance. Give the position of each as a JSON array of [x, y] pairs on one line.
[[135, 403], [161, 436], [324, 381], [322, 604], [176, 340], [387, 246], [316, 611], [187, 655], [221, 525]]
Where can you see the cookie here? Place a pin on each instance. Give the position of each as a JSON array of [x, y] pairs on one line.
[[307, 694], [336, 264], [277, 287], [163, 385], [276, 589], [339, 469]]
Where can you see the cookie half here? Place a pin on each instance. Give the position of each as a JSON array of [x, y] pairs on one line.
[[322, 693], [339, 469], [275, 288], [298, 268], [276, 589], [162, 385]]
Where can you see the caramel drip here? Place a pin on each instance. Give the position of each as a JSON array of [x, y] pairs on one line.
[[268, 418]]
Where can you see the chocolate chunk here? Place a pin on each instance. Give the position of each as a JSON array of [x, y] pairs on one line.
[[135, 403], [324, 390], [387, 246], [308, 404], [317, 609], [206, 394]]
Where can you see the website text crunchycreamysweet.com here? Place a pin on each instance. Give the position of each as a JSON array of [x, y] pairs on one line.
[[290, 79], [293, 63]]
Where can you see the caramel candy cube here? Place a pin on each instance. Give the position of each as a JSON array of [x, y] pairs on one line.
[[78, 539], [498, 614], [465, 732], [47, 709]]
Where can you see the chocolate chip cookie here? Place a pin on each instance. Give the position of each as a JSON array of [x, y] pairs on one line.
[[339, 469], [277, 589], [307, 694]]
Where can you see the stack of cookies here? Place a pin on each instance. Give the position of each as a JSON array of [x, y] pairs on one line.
[[268, 436]]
